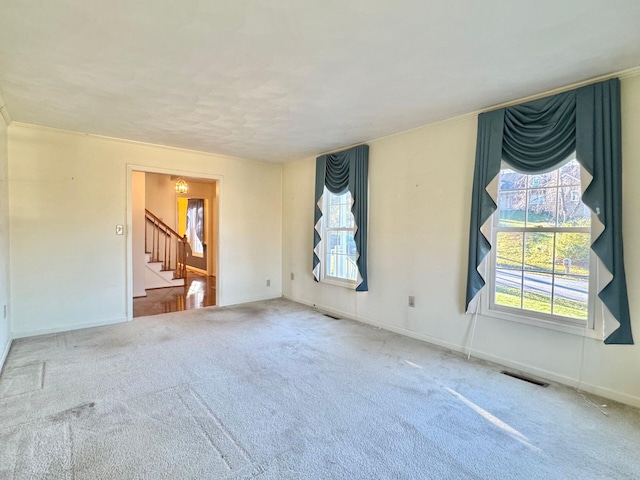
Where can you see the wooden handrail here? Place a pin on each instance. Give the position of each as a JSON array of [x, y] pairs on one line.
[[162, 251], [163, 225]]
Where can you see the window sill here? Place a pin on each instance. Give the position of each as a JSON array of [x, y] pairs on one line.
[[349, 284], [581, 331]]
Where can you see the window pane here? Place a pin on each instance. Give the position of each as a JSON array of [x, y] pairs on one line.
[[341, 245], [334, 216], [571, 211], [338, 210], [508, 288], [544, 180], [511, 208], [570, 173], [537, 292], [333, 245], [571, 296], [341, 266], [346, 217], [541, 208], [572, 253], [511, 180], [509, 250], [543, 271], [538, 251], [341, 255], [334, 199]]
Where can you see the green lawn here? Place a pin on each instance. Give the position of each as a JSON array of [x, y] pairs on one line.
[[537, 302], [539, 248]]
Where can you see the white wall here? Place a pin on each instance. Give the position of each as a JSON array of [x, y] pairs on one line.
[[160, 197], [5, 333], [67, 194], [138, 225], [420, 199]]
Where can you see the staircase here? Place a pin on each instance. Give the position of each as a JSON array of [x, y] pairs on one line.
[[166, 254]]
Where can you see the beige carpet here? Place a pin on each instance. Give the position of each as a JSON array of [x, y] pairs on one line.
[[275, 390]]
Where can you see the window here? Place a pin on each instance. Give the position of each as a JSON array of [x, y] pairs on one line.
[[340, 220], [542, 236], [195, 226], [541, 255], [339, 253]]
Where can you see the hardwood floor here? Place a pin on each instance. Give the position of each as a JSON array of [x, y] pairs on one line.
[[199, 291]]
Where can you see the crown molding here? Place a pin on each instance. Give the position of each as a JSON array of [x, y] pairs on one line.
[[622, 74], [629, 73], [220, 156]]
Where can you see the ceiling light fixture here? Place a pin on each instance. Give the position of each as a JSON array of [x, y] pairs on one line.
[[181, 186]]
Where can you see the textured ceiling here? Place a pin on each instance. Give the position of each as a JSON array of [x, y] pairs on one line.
[[282, 79]]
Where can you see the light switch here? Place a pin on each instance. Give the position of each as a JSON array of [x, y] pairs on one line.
[[119, 229]]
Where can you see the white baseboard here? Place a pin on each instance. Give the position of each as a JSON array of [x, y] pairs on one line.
[[5, 352], [66, 328], [565, 380], [143, 293], [538, 372]]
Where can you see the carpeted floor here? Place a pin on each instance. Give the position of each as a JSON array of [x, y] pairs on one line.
[[275, 390]]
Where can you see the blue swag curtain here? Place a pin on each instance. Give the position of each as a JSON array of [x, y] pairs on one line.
[[339, 172], [535, 137]]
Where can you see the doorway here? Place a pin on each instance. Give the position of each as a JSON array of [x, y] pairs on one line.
[[173, 247]]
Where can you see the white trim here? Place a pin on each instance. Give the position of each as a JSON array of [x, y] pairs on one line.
[[140, 294], [35, 126], [339, 282], [529, 318], [130, 168], [67, 328], [525, 368], [129, 245], [5, 352], [621, 74]]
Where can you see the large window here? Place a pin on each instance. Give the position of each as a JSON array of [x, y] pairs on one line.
[[541, 236], [535, 261], [339, 247]]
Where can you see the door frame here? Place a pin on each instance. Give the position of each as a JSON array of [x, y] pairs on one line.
[[216, 210]]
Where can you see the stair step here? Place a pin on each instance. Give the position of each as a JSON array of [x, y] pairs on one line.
[[155, 277]]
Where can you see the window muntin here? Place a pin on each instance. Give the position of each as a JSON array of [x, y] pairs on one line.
[[541, 246], [340, 253]]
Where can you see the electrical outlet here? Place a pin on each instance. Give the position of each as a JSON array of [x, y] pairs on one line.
[[5, 311], [119, 229], [412, 301], [291, 275], [268, 282]]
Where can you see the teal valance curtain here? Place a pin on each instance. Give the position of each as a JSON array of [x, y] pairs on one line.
[[339, 172], [537, 136]]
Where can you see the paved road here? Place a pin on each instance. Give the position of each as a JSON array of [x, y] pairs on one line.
[[570, 289]]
